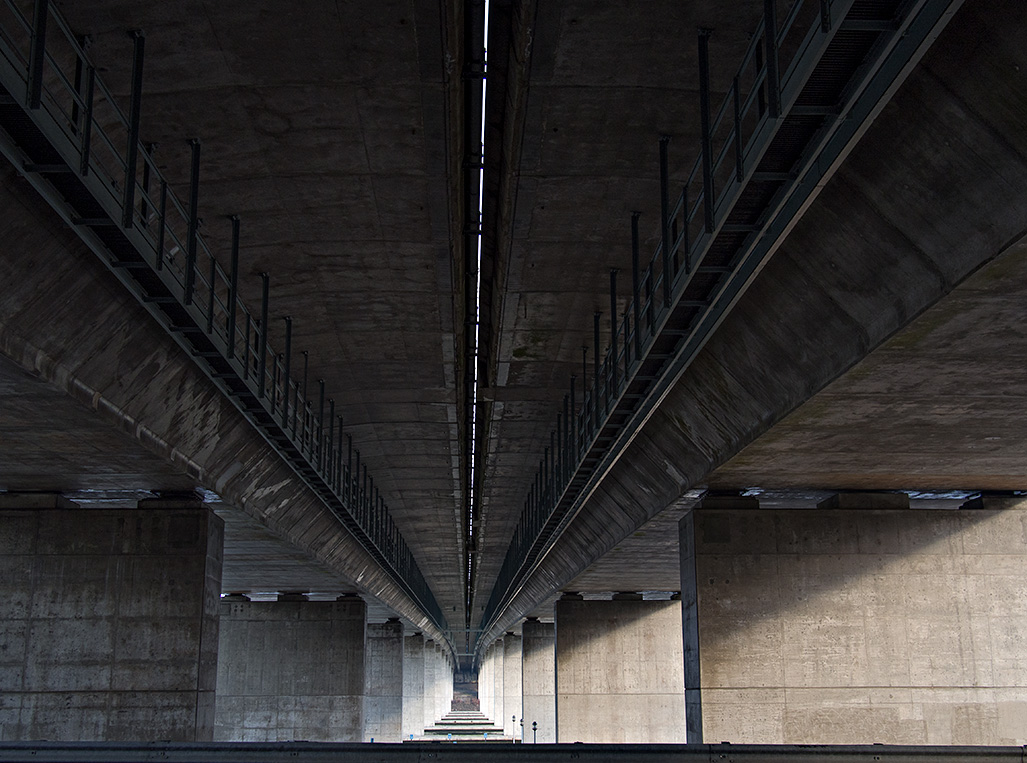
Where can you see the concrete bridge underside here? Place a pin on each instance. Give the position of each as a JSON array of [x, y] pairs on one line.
[[881, 348]]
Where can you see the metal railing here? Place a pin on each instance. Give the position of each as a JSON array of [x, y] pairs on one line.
[[711, 241], [89, 150]]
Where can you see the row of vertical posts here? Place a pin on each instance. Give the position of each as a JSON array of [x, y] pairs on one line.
[[320, 440], [578, 425]]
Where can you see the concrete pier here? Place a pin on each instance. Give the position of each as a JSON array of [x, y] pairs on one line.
[[413, 686], [109, 629], [538, 680], [291, 670], [512, 702], [856, 627], [619, 674], [498, 682], [383, 685]]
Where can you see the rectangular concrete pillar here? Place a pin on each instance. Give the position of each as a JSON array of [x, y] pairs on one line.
[[429, 683], [108, 628], [511, 685], [291, 670], [619, 675], [498, 678], [856, 627], [413, 686], [486, 683], [538, 680], [383, 693], [443, 683]]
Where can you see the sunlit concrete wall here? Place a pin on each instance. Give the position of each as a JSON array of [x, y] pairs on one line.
[[619, 674], [905, 627], [538, 680]]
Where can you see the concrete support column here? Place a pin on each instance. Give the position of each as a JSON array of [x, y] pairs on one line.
[[291, 669], [443, 683], [450, 678], [511, 684], [498, 677], [383, 684], [413, 686], [429, 683], [108, 630], [619, 676], [538, 680], [485, 683], [848, 626]]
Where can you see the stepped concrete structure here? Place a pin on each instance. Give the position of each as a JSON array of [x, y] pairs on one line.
[[659, 374], [465, 726]]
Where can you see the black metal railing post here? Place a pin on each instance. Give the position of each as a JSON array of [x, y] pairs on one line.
[[329, 459], [770, 40], [737, 104], [296, 414], [704, 117], [233, 288], [319, 453], [87, 123], [265, 280], [37, 54], [338, 462], [573, 423], [665, 218], [194, 221], [595, 376], [288, 371], [162, 223], [634, 281], [349, 490], [212, 276], [134, 113], [145, 205], [613, 333]]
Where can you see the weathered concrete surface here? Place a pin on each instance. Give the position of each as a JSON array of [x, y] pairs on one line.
[[854, 627], [413, 686], [131, 376], [619, 672], [853, 271], [923, 410], [443, 682], [498, 676], [512, 704], [538, 680], [430, 664], [487, 683], [110, 627], [290, 670], [383, 683]]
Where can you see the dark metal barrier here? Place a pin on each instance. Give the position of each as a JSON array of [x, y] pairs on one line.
[[64, 130]]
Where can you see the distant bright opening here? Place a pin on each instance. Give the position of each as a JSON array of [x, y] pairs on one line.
[[477, 309]]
